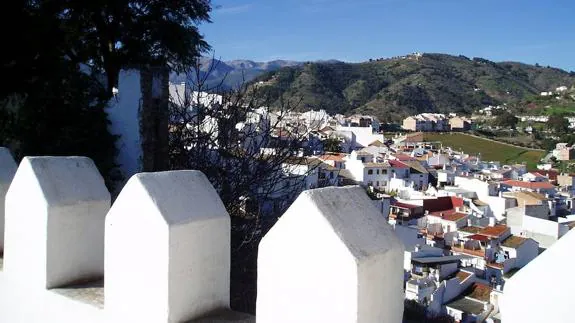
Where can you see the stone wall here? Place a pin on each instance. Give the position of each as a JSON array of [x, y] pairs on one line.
[[161, 252]]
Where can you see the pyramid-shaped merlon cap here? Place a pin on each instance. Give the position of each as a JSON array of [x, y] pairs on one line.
[[178, 217], [337, 258], [7, 166], [55, 211], [64, 180], [180, 196], [352, 216]]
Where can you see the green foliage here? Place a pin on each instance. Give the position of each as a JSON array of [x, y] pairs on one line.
[[54, 102], [62, 117], [394, 88], [332, 145], [506, 119], [558, 124], [113, 34]]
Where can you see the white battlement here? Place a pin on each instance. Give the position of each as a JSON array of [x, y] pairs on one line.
[[163, 251], [54, 231]]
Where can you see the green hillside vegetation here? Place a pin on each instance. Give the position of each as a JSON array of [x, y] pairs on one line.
[[560, 104], [489, 150], [394, 88]]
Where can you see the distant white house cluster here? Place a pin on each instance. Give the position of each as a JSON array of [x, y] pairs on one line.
[[436, 122]]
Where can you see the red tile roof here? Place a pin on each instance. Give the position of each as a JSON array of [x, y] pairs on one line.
[[495, 231], [403, 157], [405, 205], [443, 203], [334, 156], [397, 164], [529, 185], [551, 174], [537, 174], [479, 237], [480, 292], [449, 215]]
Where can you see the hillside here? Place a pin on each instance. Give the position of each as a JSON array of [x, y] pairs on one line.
[[393, 88]]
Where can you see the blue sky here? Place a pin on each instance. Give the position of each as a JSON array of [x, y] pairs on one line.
[[530, 31]]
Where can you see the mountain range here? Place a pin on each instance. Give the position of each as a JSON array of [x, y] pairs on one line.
[[395, 87], [230, 74]]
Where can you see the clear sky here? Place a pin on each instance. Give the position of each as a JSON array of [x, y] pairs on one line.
[[529, 31]]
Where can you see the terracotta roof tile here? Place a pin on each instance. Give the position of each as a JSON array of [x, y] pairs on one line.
[[479, 237], [334, 156], [494, 231], [462, 275], [529, 185], [471, 229], [450, 215], [513, 241], [405, 205], [480, 292], [397, 164]]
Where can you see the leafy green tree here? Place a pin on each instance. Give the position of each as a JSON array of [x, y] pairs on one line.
[[558, 124], [66, 58], [506, 119], [332, 145], [115, 34]]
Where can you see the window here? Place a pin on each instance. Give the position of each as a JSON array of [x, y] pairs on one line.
[[377, 184], [370, 172], [377, 172], [369, 183]]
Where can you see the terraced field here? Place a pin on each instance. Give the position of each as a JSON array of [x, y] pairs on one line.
[[489, 149]]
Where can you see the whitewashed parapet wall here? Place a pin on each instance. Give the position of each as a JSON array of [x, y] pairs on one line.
[[7, 170], [54, 232], [167, 249], [542, 291], [331, 257]]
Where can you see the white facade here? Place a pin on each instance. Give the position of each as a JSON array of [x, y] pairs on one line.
[[363, 135], [335, 264], [524, 253]]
